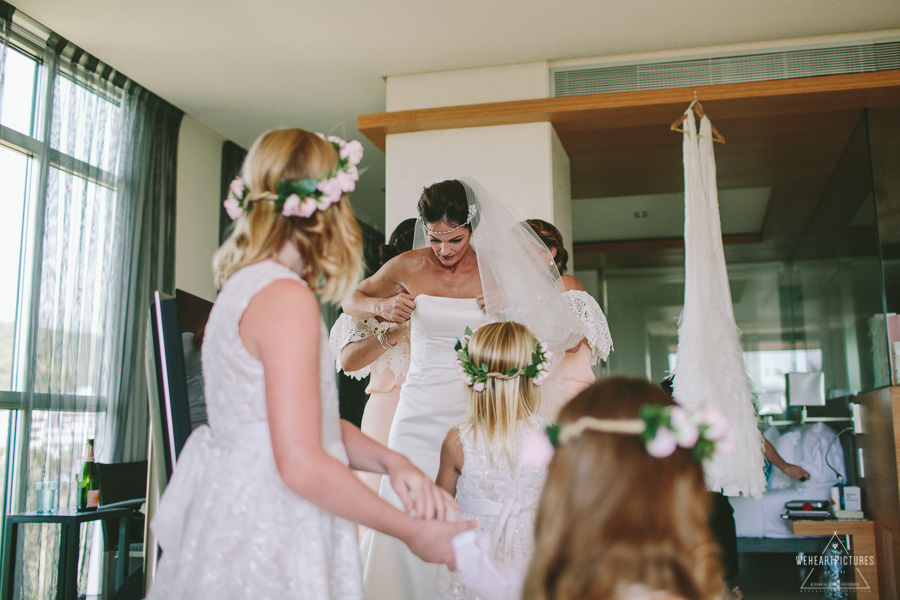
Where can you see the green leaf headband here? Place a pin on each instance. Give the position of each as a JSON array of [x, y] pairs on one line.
[[305, 197], [476, 376], [662, 429]]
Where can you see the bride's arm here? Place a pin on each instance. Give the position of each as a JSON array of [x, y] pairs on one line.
[[378, 295]]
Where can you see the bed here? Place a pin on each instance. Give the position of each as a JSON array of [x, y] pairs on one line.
[[758, 522]]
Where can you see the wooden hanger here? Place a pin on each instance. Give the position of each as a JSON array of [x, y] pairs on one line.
[[697, 108]]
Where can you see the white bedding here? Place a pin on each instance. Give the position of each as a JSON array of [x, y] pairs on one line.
[[805, 446]]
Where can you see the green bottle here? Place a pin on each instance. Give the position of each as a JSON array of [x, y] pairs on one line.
[[88, 494]]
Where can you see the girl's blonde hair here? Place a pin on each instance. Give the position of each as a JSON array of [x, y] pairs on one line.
[[495, 411], [329, 241], [611, 516]]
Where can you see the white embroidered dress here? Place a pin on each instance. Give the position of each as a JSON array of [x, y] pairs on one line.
[[502, 497], [388, 371], [574, 372], [228, 526]]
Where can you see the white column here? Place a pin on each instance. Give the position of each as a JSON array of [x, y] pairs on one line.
[[524, 164]]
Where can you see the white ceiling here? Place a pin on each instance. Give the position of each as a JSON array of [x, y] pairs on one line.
[[242, 68]]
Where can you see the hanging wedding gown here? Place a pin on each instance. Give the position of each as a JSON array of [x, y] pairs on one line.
[[709, 370]]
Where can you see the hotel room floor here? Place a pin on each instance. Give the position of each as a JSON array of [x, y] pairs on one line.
[[774, 576]]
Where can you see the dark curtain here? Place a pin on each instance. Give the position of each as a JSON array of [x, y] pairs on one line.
[[148, 188], [104, 239], [232, 160]]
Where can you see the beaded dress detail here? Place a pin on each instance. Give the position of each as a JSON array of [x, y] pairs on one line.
[[501, 496]]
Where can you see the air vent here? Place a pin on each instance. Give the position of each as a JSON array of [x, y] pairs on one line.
[[788, 64]]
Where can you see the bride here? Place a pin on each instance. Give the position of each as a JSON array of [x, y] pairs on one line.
[[473, 261]]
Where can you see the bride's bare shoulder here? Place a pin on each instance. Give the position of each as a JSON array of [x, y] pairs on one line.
[[413, 259]]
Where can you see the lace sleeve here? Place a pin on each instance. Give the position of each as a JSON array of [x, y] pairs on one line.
[[594, 324], [397, 358], [350, 329]]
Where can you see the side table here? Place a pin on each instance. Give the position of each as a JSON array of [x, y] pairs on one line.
[[863, 534], [70, 522]]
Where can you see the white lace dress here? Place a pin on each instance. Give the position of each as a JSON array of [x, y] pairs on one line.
[[502, 497], [575, 370], [389, 370], [227, 524]]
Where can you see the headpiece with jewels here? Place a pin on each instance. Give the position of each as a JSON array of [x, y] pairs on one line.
[[476, 376], [473, 210], [303, 198], [662, 429]]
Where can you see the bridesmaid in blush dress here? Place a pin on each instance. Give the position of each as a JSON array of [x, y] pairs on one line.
[[575, 371]]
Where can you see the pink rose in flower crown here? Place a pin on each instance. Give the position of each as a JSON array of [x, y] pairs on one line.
[[686, 431], [353, 151], [308, 207], [331, 191], [536, 451], [346, 181], [478, 386], [233, 208], [716, 423], [237, 187], [291, 206], [663, 444]]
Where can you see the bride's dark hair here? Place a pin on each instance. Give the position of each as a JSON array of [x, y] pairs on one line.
[[447, 201]]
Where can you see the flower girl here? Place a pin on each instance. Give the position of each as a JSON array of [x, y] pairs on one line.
[[623, 514], [503, 364], [260, 503]]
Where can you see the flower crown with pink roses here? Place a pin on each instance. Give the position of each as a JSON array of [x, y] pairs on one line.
[[303, 198], [476, 376], [662, 429]]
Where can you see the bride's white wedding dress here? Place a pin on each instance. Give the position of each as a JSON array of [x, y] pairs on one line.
[[433, 400]]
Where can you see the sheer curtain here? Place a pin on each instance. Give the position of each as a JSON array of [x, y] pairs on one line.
[[102, 238]]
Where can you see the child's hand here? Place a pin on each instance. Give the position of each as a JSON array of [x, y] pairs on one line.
[[431, 541], [418, 493]]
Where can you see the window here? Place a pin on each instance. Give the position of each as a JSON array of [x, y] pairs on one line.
[[58, 187]]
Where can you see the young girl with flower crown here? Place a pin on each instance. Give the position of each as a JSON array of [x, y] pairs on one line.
[[260, 503], [623, 513], [503, 365]]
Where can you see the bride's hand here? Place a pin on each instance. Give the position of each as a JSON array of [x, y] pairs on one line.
[[397, 308], [418, 493]]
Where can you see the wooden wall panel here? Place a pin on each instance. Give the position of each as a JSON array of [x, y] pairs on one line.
[[881, 484]]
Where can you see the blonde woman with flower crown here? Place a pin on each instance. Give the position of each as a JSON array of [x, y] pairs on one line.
[[503, 365], [261, 501], [623, 513]]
